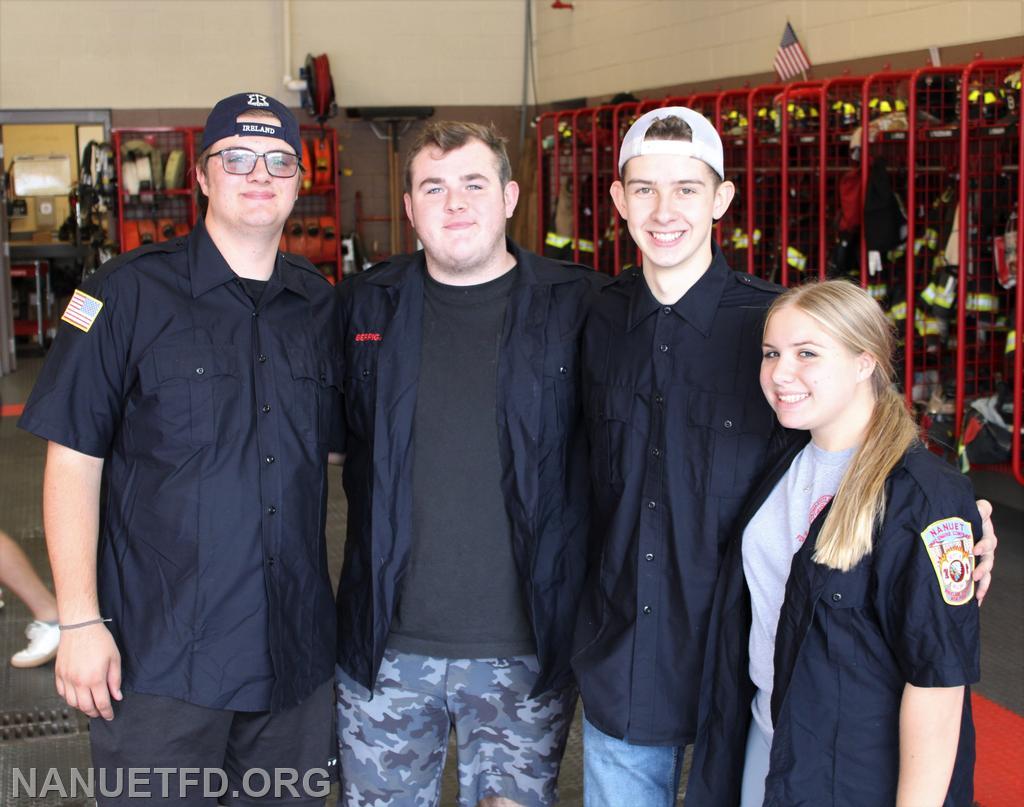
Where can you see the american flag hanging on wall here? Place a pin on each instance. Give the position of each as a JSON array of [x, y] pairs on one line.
[[790, 59]]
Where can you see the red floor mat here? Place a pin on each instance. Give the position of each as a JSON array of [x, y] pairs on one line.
[[999, 771]]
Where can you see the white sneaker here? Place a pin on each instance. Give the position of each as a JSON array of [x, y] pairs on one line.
[[43, 639]]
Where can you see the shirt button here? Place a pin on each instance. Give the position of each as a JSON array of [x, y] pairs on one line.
[[649, 556], [666, 310], [270, 459], [266, 408], [646, 609], [271, 510], [366, 373], [261, 358], [200, 371], [663, 348], [837, 597], [562, 370], [656, 452], [651, 505], [255, 314], [658, 399], [271, 560], [728, 424]]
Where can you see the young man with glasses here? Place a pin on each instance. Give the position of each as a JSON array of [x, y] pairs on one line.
[[193, 382]]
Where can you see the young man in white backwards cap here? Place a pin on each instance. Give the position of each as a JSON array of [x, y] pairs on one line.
[[679, 434]]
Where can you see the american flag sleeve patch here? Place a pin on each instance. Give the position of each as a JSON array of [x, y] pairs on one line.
[[82, 311]]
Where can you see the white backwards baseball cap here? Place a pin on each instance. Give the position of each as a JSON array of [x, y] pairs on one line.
[[705, 146]]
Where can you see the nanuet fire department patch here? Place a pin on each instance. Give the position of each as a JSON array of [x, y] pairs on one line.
[[950, 542]]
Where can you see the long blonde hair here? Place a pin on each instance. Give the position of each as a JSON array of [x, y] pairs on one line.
[[849, 315]]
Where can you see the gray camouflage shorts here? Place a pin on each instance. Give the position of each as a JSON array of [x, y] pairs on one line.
[[393, 745]]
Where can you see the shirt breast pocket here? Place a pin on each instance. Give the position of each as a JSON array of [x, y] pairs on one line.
[[561, 382], [611, 409], [194, 391], [845, 596], [733, 432], [316, 391], [360, 388]]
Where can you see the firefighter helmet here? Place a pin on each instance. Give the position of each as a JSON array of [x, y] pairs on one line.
[[1011, 88], [845, 113], [766, 119], [806, 114], [885, 105], [734, 122], [985, 101]]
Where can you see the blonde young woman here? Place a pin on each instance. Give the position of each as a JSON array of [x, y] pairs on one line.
[[845, 633]]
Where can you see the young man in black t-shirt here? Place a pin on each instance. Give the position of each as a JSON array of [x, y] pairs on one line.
[[467, 495]]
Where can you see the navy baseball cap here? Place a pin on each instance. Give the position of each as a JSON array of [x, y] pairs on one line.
[[223, 120]]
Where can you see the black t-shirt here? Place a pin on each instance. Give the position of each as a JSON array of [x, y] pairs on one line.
[[461, 596], [253, 288]]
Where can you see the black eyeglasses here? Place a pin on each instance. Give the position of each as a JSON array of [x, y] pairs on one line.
[[243, 161]]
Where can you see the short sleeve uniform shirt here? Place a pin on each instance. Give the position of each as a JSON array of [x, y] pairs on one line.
[[848, 643], [213, 414]]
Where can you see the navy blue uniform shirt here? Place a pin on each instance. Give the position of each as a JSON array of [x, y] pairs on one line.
[[679, 431], [213, 415], [847, 645]]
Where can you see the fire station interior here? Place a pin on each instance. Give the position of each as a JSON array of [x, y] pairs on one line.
[[893, 160]]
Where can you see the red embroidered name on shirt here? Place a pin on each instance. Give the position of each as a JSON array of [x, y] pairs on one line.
[[367, 337]]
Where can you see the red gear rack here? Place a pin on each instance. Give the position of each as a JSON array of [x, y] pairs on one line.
[[801, 194]]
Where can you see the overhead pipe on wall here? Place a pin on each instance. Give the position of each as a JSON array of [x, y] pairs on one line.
[[527, 63], [291, 84]]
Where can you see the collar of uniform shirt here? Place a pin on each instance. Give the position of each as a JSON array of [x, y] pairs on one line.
[[207, 268], [697, 306]]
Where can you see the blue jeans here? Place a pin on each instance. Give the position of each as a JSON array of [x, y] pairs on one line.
[[616, 773], [755, 766]]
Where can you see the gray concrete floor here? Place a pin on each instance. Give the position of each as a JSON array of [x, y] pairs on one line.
[[36, 730]]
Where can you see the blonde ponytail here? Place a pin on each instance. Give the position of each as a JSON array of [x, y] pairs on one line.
[[851, 316], [859, 504]]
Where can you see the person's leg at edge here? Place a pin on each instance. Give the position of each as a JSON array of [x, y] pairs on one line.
[[616, 772], [392, 748], [17, 574]]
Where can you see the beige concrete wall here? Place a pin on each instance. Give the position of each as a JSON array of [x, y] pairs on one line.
[[177, 54], [606, 46], [132, 54]]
